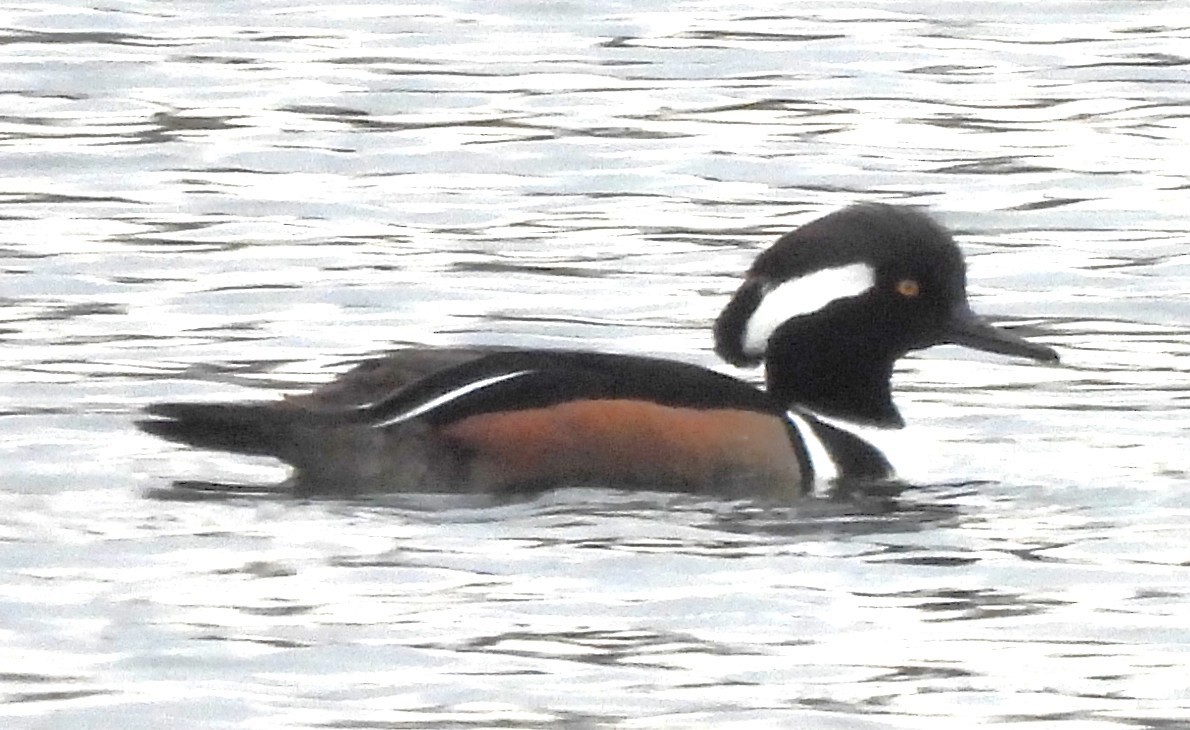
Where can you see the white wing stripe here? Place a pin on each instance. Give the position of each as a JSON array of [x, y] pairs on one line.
[[449, 396]]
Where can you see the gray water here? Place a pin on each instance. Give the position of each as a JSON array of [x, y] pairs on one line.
[[229, 200]]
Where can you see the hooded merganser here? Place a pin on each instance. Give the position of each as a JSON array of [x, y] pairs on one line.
[[828, 309]]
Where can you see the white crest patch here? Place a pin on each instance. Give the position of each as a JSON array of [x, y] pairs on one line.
[[801, 296], [448, 396]]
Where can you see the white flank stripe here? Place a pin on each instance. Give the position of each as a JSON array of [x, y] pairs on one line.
[[825, 469], [449, 396], [801, 296]]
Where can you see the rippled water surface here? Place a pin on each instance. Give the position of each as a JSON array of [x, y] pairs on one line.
[[223, 200]]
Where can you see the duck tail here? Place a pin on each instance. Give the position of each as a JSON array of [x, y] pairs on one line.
[[248, 428]]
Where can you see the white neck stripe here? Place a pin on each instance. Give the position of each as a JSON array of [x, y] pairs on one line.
[[801, 296], [448, 396]]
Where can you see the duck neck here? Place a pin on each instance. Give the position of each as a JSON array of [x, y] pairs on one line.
[[846, 387]]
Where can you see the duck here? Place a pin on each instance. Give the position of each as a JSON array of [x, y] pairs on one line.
[[827, 311]]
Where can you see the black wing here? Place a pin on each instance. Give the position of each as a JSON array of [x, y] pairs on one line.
[[523, 379]]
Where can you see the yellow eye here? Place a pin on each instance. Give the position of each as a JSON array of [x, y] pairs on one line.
[[908, 288]]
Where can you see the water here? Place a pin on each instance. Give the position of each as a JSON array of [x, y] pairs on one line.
[[225, 200]]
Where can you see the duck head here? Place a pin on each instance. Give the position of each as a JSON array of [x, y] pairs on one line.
[[832, 305]]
